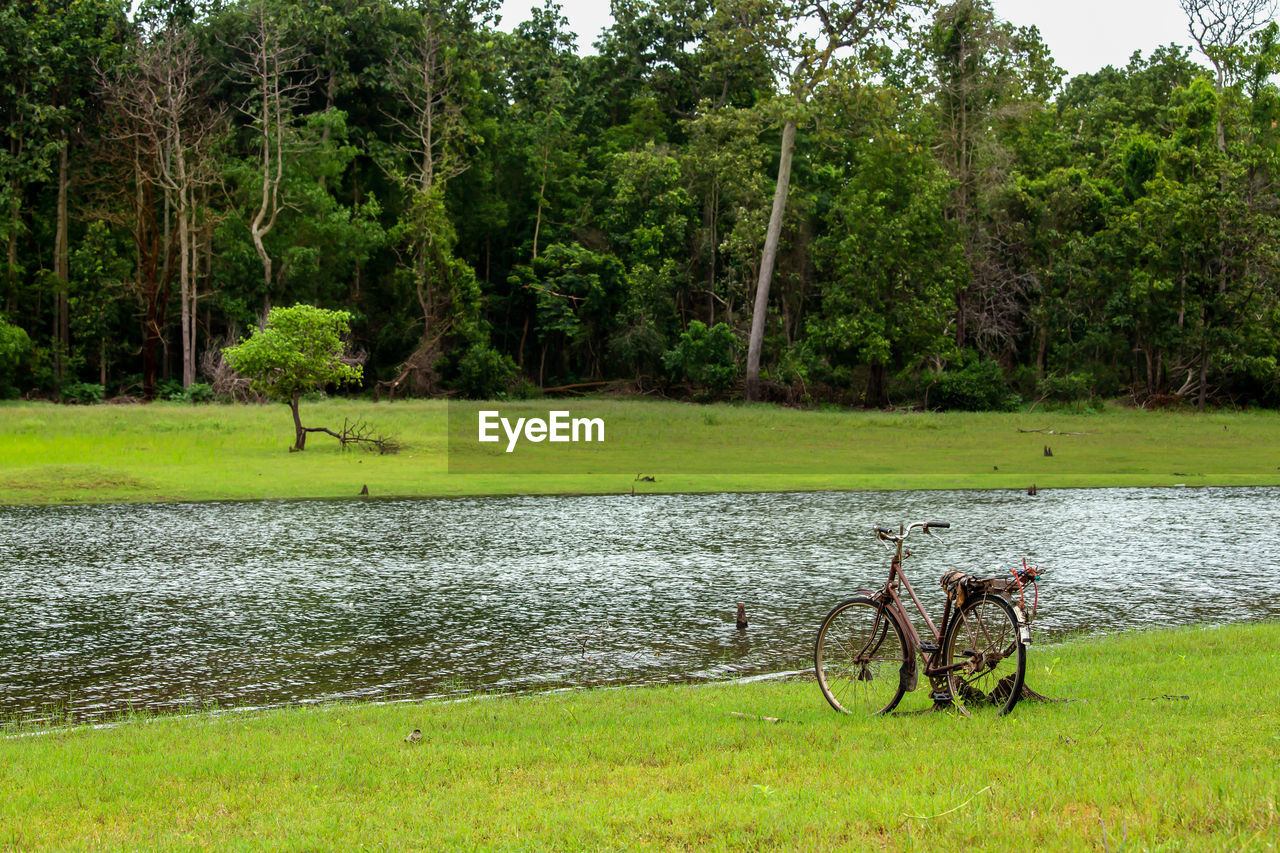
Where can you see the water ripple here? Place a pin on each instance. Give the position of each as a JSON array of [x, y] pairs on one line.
[[182, 605]]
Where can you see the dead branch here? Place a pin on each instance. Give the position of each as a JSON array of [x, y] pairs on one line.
[[223, 377], [1048, 431], [360, 434], [577, 385], [755, 717]]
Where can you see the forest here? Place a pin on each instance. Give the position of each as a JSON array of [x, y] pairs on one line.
[[858, 202]]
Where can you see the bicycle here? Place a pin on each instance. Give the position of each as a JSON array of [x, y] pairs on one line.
[[866, 652]]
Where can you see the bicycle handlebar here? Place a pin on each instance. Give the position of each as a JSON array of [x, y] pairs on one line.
[[883, 533]]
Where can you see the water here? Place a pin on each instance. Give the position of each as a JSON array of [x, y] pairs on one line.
[[247, 604]]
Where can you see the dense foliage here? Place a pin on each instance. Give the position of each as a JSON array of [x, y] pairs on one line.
[[498, 213]]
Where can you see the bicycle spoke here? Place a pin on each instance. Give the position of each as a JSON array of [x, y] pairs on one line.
[[985, 643], [859, 656]]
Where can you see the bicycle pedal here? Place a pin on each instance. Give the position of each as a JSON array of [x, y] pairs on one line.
[[928, 647], [941, 696]]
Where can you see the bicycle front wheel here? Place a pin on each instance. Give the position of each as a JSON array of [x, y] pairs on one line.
[[983, 637], [860, 657]]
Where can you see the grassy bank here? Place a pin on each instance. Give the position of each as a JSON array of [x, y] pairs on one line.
[[1124, 767], [174, 452]]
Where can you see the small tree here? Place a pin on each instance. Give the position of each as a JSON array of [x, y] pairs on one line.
[[297, 350], [704, 356]]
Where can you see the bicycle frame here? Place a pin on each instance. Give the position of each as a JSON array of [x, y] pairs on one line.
[[888, 597]]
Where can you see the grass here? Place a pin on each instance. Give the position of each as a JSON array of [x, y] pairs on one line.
[[1122, 768], [173, 452]]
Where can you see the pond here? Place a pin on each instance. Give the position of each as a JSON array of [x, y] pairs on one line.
[[181, 606]]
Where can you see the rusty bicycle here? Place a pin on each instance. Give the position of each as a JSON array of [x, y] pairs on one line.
[[868, 654]]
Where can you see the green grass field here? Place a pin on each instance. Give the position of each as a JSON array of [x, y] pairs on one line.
[[1171, 744], [175, 452]]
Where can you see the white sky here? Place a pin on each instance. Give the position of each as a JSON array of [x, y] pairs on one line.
[[1084, 35]]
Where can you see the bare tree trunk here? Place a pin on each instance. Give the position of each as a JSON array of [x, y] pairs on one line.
[[11, 271], [145, 275], [15, 222], [268, 69], [62, 331], [167, 241], [265, 217], [876, 386], [300, 434], [1042, 347], [715, 247], [207, 265], [542, 194], [524, 333], [184, 262], [768, 258], [1204, 377]]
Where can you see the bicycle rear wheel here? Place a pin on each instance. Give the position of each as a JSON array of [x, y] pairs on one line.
[[860, 656], [984, 637]]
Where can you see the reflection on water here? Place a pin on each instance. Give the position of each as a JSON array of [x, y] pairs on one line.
[[174, 606]]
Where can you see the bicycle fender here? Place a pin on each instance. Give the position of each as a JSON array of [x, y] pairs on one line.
[[910, 672]]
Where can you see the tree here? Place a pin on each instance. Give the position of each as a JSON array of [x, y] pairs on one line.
[[158, 109], [890, 260], [49, 50], [842, 26], [431, 72], [298, 349], [543, 88], [27, 144], [579, 296], [724, 164], [1219, 28], [273, 71], [985, 70], [647, 224]]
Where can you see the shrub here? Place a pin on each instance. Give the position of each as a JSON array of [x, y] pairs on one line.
[[525, 390], [976, 386], [168, 389], [1068, 388], [484, 373], [637, 349], [197, 392], [83, 393], [798, 364], [15, 347], [704, 356]]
